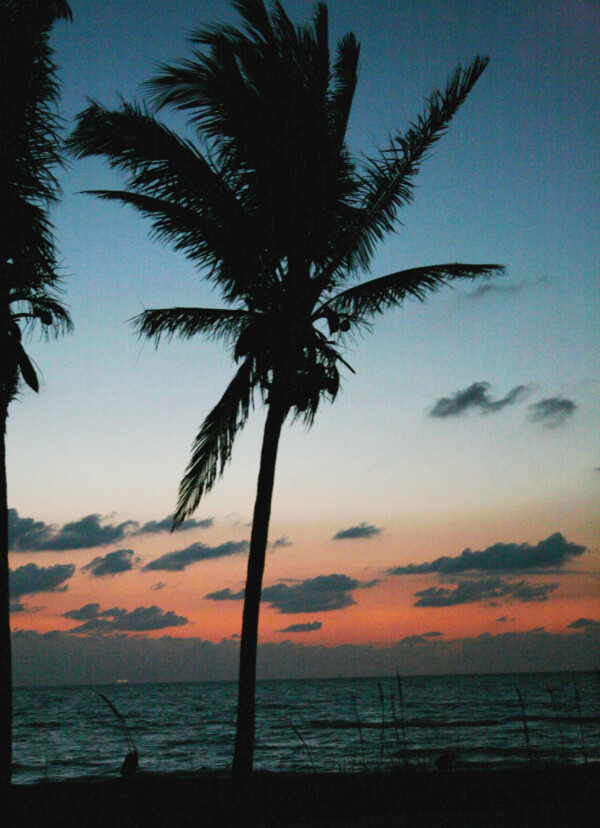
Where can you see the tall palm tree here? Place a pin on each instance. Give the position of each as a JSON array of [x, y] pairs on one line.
[[30, 149], [267, 199]]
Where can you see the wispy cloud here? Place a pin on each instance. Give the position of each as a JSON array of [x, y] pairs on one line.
[[312, 626], [552, 552], [476, 397], [552, 412], [179, 559], [281, 543], [113, 563], [498, 288], [321, 594], [363, 530], [141, 619]]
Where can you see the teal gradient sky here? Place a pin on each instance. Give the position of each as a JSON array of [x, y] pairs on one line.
[[515, 181]]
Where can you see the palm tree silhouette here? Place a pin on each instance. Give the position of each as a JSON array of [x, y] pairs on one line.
[[270, 202], [29, 284]]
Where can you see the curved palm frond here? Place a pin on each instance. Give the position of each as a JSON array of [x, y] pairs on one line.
[[187, 322], [387, 182], [376, 295], [211, 450]]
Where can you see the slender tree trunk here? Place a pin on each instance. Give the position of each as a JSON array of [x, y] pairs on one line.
[[244, 738], [5, 649]]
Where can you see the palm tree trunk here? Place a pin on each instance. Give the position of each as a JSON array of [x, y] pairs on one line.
[[5, 649], [244, 738]]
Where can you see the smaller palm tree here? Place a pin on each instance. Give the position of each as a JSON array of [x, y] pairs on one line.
[[270, 202], [30, 295]]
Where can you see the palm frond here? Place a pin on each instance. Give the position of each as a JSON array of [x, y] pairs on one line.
[[211, 450], [387, 181], [187, 322], [373, 297], [345, 76]]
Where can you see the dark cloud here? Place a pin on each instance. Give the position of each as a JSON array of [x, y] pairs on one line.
[[301, 628], [485, 589], [179, 559], [321, 594], [152, 527], [501, 620], [281, 543], [433, 634], [158, 585], [30, 579], [363, 530], [552, 412], [226, 595], [59, 658], [141, 619], [26, 534], [112, 563], [552, 552], [476, 396], [585, 624], [17, 606], [29, 535]]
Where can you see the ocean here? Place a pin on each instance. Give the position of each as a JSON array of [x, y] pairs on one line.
[[306, 725]]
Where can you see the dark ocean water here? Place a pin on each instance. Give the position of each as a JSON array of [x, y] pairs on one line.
[[322, 724]]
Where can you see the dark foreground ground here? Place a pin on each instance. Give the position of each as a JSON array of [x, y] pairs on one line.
[[554, 796]]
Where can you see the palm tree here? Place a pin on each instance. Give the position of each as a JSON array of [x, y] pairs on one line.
[[29, 284], [267, 199]]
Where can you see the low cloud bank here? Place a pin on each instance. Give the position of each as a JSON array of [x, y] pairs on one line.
[[58, 658]]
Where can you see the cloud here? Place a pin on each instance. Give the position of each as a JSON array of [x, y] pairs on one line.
[[26, 534], [59, 658], [321, 594], [552, 412], [158, 585], [433, 634], [112, 563], [281, 543], [152, 527], [29, 535], [585, 624], [476, 396], [300, 628], [502, 289], [30, 579], [179, 559], [141, 619], [486, 589], [363, 530], [552, 552]]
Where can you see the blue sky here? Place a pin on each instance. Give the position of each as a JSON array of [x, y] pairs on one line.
[[515, 181]]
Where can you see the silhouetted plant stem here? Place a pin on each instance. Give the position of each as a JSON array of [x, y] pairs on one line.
[[579, 720], [382, 745], [244, 737], [525, 728], [560, 732]]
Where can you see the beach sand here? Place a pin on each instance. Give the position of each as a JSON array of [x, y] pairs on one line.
[[554, 796]]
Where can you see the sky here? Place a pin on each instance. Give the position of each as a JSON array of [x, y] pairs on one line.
[[443, 516]]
